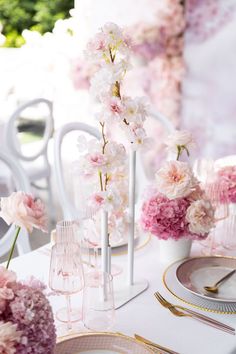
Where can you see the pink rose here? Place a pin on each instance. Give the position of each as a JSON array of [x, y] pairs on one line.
[[24, 211], [175, 180], [9, 337]]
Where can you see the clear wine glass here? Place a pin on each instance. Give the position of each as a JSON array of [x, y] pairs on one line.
[[68, 231], [66, 277]]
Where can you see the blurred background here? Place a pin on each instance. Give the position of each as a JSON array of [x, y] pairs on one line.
[[183, 57]]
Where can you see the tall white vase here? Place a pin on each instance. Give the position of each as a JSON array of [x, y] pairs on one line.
[[172, 250]]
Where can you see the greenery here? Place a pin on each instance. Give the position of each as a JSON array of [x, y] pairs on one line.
[[38, 15]]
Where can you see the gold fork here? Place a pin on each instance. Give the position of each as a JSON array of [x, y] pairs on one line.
[[189, 313]]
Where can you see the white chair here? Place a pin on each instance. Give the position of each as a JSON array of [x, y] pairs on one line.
[[36, 163], [142, 177], [68, 208], [21, 182]]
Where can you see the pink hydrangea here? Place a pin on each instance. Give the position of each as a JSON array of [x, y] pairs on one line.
[[165, 218], [177, 218], [31, 314]]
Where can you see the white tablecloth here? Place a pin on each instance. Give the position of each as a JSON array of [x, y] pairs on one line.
[[144, 315]]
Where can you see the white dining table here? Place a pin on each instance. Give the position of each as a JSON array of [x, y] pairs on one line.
[[144, 315]]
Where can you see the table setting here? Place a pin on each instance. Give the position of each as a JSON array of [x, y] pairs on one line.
[[126, 276]]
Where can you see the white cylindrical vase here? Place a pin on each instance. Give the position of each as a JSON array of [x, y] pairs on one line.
[[173, 250]]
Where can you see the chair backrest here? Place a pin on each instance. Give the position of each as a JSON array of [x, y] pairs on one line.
[[69, 211], [12, 142], [21, 182], [162, 119], [142, 177]]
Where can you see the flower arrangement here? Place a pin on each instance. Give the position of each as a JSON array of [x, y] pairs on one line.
[[26, 318], [104, 163], [22, 210], [177, 207]]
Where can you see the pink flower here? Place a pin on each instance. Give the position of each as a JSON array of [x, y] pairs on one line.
[[200, 216], [9, 337], [32, 315], [165, 218], [6, 277], [97, 159], [226, 182], [175, 180], [24, 211]]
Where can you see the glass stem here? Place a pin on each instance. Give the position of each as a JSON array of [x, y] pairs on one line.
[[68, 302]]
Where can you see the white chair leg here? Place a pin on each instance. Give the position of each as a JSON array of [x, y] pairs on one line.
[[50, 200]]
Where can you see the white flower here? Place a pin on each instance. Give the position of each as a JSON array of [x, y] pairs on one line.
[[175, 179], [136, 110], [180, 140], [200, 215]]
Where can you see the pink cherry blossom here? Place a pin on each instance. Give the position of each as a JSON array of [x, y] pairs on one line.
[[24, 211]]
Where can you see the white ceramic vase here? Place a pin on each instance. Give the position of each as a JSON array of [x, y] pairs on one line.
[[172, 250]]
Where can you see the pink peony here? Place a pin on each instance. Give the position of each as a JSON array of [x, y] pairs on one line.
[[200, 216], [175, 180], [9, 337], [165, 218], [24, 211]]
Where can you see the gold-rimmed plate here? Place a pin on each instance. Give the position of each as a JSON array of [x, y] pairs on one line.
[[195, 273], [101, 343], [206, 304]]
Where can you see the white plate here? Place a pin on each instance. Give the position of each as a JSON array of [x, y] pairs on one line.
[[101, 343], [176, 289], [195, 273]]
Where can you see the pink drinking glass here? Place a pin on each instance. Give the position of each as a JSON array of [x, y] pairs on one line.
[[66, 277]]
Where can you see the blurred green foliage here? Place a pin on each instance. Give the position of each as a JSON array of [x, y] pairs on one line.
[[38, 15]]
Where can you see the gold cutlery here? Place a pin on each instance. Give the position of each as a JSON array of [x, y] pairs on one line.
[[175, 309], [214, 288], [152, 344]]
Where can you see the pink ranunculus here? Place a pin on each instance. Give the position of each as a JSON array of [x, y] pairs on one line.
[[24, 211], [9, 337], [175, 180], [200, 216]]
